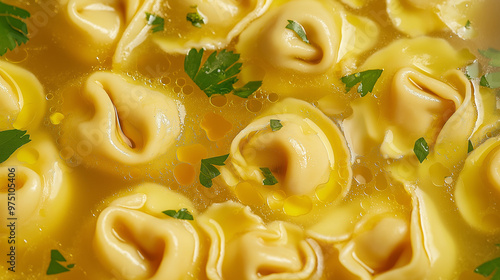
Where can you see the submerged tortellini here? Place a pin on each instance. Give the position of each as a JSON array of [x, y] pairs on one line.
[[242, 246], [477, 190], [42, 189], [419, 94], [267, 47], [121, 121], [135, 240], [22, 99], [308, 156], [380, 239], [92, 28]]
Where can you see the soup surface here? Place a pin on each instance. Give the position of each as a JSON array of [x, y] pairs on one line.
[[310, 139]]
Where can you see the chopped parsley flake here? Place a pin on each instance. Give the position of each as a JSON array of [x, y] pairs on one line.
[[208, 171], [298, 29], [218, 74], [13, 30], [269, 178], [157, 22], [182, 214], [275, 125], [421, 149], [366, 80], [490, 80], [55, 267], [493, 55], [195, 19], [247, 90], [10, 141]]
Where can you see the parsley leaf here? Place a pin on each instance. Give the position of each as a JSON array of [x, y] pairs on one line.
[[195, 19], [470, 148], [208, 171], [13, 31], [298, 29], [468, 24], [269, 177], [367, 80], [472, 71], [10, 141], [493, 55], [490, 267], [55, 267], [421, 149], [218, 74], [275, 125], [157, 22], [490, 80], [247, 90], [182, 214]]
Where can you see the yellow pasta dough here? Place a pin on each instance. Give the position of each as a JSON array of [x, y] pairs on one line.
[[275, 154]]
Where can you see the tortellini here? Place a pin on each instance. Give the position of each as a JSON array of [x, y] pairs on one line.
[[477, 190], [268, 48], [22, 99], [244, 247], [135, 240], [121, 121], [223, 20], [414, 17], [96, 26], [42, 190], [384, 240], [416, 96], [308, 156]]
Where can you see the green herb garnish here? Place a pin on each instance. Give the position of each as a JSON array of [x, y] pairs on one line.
[[421, 149], [275, 125], [367, 80], [13, 30], [472, 70], [467, 24], [10, 141], [208, 171], [157, 22], [470, 147], [490, 80], [298, 29], [493, 55], [218, 74], [182, 214], [195, 19], [269, 177], [55, 267]]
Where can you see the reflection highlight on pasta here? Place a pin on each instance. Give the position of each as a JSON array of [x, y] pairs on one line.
[[253, 139]]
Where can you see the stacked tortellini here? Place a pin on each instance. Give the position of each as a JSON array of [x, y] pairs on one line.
[[135, 240]]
